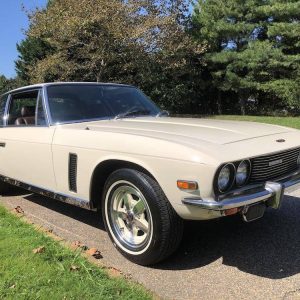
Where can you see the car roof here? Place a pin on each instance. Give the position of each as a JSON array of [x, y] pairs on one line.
[[40, 85]]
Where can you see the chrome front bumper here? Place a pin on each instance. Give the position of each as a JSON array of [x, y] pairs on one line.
[[270, 192]]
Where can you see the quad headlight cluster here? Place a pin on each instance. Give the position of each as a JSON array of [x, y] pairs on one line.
[[232, 174]]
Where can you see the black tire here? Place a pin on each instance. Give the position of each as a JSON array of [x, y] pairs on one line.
[[167, 226]]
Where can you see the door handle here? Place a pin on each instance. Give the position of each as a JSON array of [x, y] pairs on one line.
[[2, 144]]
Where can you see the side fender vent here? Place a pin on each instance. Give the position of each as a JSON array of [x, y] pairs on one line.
[[73, 172]]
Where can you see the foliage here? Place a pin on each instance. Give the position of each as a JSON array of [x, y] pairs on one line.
[[230, 56], [293, 122], [30, 51], [140, 42], [253, 49], [9, 84], [33, 266]]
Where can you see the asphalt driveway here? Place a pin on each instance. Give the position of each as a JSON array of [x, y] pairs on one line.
[[226, 258]]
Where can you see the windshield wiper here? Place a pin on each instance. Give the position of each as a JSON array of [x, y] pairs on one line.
[[163, 113], [132, 112]]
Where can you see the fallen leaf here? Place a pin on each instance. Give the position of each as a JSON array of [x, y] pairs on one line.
[[39, 250], [114, 272], [74, 268], [19, 210], [95, 253]]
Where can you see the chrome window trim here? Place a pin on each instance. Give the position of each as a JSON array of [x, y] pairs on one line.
[[98, 119], [6, 110], [46, 106]]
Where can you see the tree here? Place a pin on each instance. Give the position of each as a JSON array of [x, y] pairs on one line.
[[135, 41], [7, 84], [30, 51], [253, 48]]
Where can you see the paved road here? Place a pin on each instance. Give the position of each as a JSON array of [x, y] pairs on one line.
[[217, 259]]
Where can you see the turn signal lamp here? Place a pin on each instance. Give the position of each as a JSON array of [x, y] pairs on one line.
[[187, 185], [232, 211]]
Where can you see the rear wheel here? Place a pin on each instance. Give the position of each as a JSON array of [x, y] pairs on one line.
[[139, 218]]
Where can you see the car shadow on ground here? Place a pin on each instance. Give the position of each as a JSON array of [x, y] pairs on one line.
[[268, 247], [88, 217]]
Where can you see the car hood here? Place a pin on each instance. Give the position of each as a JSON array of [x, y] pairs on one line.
[[198, 140], [201, 130]]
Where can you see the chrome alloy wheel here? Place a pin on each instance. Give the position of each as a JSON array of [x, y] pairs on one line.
[[130, 217]]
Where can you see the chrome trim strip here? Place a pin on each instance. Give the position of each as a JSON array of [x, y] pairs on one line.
[[230, 202], [51, 194], [82, 121], [46, 106], [272, 191], [42, 91], [95, 119], [5, 117]]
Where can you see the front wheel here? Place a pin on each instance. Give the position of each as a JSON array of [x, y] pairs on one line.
[[139, 218]]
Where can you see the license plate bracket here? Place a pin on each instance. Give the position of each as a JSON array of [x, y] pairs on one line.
[[254, 212]]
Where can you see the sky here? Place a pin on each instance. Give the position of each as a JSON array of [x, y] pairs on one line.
[[13, 23]]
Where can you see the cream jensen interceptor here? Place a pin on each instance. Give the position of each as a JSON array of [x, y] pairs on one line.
[[108, 147]]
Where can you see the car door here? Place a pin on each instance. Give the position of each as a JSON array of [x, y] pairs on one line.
[[25, 140]]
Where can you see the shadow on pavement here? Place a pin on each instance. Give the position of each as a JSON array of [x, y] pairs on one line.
[[16, 191], [269, 247], [85, 216]]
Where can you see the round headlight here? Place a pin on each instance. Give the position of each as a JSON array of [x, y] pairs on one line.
[[242, 172], [226, 177]]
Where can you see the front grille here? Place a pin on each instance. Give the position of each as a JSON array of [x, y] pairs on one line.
[[272, 166]]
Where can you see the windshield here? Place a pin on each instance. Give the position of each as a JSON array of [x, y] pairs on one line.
[[88, 102]]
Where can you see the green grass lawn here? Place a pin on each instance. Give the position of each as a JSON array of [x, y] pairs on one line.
[[283, 121], [47, 275]]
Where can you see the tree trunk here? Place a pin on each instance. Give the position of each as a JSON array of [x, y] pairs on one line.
[[219, 103], [243, 106]]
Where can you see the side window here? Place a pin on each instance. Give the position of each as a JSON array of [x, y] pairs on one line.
[[26, 109], [22, 108], [3, 100]]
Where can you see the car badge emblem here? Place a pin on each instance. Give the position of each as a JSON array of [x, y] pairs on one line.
[[275, 162], [280, 141]]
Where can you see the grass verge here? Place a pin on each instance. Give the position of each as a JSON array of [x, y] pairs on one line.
[[56, 273], [283, 121]]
